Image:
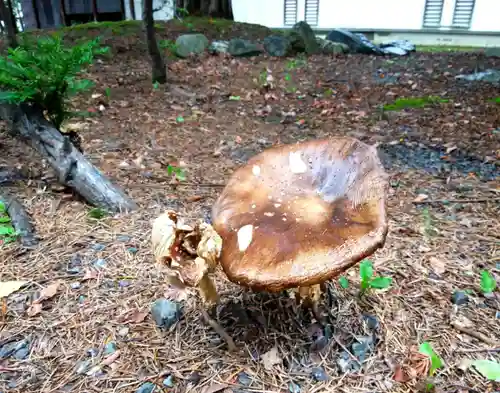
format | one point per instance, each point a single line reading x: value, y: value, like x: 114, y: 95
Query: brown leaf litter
x: 436, y: 245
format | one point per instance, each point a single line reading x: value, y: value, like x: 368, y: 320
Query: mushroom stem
x: 217, y: 327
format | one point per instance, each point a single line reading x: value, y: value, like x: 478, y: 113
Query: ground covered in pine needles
x: 97, y: 276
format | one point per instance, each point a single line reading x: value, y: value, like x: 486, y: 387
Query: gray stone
x: 319, y: 374
x: 123, y: 238
x: 147, y: 387
x: 363, y: 347
x: 371, y: 321
x: 241, y: 48
x: 346, y: 363
x: 218, y: 47
x: 308, y: 37
x: 83, y: 366
x: 188, y: 44
x: 98, y: 247
x: 357, y: 43
x: 492, y: 76
x: 169, y: 382
x: 100, y: 263
x: 244, y: 379
x: 294, y: 387
x: 165, y: 312
x: 330, y: 47
x: 109, y: 348
x: 459, y: 298
x: 276, y: 45
x: 12, y: 348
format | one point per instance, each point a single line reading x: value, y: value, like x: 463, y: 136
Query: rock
x: 346, y: 363
x: 194, y: 377
x: 398, y: 47
x: 319, y: 374
x: 109, y: 348
x: 165, y: 312
x: 169, y: 381
x: 294, y: 387
x: 188, y: 44
x: 276, y: 45
x: 99, y: 263
x: 123, y: 238
x: 244, y: 379
x: 75, y: 285
x: 330, y: 47
x: 98, y: 247
x: 308, y: 37
x: 296, y: 42
x: 123, y: 283
x: 147, y: 387
x: 492, y: 52
x: 240, y: 47
x: 357, y: 43
x: 363, y: 347
x: 22, y: 353
x: 459, y: 298
x: 132, y: 250
x: 217, y: 47
x: 492, y: 76
x: 83, y: 366
x: 371, y: 321
x: 14, y: 347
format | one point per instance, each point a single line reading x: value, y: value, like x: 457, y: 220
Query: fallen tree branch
x: 473, y: 333
x: 20, y: 220
x: 72, y: 168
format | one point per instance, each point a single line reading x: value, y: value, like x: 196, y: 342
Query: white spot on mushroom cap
x: 256, y: 170
x: 297, y: 165
x: 245, y: 234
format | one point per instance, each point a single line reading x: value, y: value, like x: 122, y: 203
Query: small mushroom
x: 297, y: 215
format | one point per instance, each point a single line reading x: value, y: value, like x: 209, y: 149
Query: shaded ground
x: 215, y: 114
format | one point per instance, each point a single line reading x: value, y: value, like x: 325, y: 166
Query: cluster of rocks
x: 299, y: 39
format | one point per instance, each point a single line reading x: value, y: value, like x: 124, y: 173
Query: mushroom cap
x: 300, y: 214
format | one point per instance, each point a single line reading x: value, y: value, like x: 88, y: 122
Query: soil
x: 215, y: 113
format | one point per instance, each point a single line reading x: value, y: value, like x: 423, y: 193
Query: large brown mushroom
x: 294, y: 217
x: 298, y: 215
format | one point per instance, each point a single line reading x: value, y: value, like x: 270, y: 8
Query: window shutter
x: 462, y: 15
x: 290, y: 15
x: 312, y: 12
x: 433, y: 12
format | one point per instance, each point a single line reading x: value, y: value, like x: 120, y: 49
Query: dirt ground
x: 213, y: 115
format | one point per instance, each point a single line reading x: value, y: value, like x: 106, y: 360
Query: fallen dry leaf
x: 421, y: 197
x: 90, y: 274
x: 400, y: 375
x: 48, y: 292
x: 134, y: 316
x: 34, y: 309
x: 177, y: 294
x: 271, y: 358
x: 438, y: 266
x: 8, y: 287
x: 214, y: 388
x: 111, y: 358
x: 194, y: 198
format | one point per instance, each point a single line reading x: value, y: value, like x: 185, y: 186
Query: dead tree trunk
x: 72, y: 168
x: 6, y: 15
x: 159, y: 71
x: 20, y: 220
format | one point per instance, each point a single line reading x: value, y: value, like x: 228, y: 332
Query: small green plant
x: 7, y: 232
x: 181, y: 12
x: 429, y: 229
x: 367, y: 279
x: 328, y: 93
x: 488, y: 283
x: 344, y: 282
x: 436, y: 362
x: 168, y: 45
x: 263, y: 78
x: 413, y: 102
x: 177, y: 172
x: 46, y: 73
x: 97, y: 213
x: 490, y: 369
x: 107, y: 91
x: 496, y: 100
